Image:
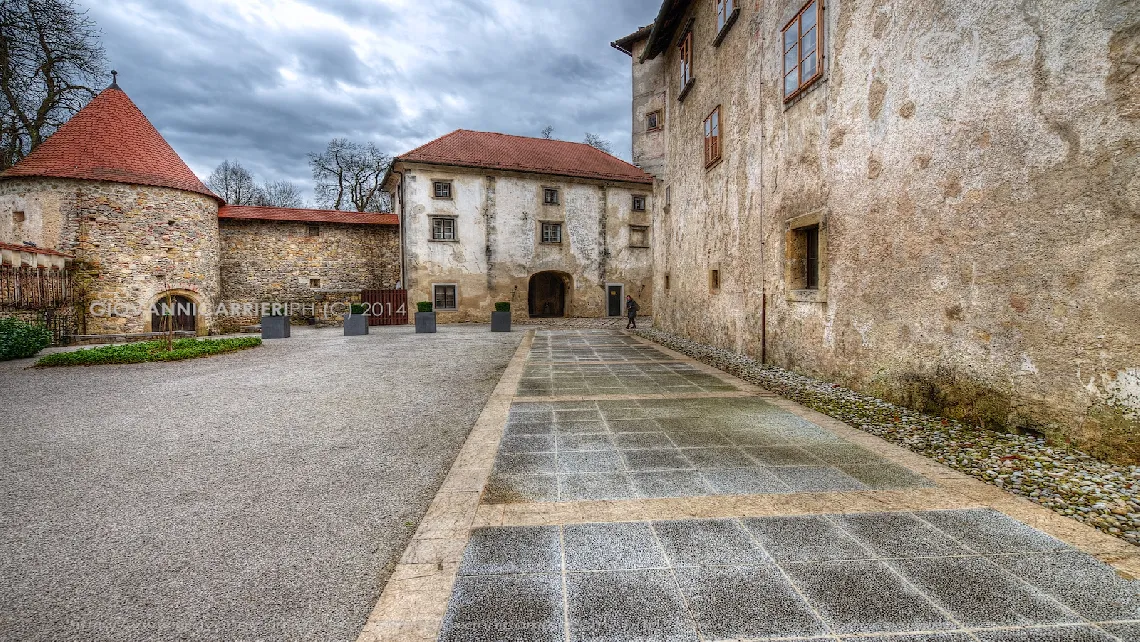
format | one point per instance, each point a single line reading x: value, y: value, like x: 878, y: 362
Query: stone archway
x: 181, y: 307
x: 546, y: 295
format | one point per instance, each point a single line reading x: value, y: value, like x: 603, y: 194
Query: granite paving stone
x: 585, y: 441
x: 988, y: 531
x: 1050, y: 634
x: 744, y: 481
x: 504, y: 489
x: 864, y: 596
x: 526, y: 463
x: 811, y: 479
x: 519, y: 549
x: 586, y: 486
x: 718, y: 457
x: 641, y: 440
x: 662, y: 459
x: 611, y: 547
x: 804, y: 539
x: 670, y: 483
x: 627, y: 606
x: 746, y: 602
x: 505, y: 608
x: 1080, y: 582
x: 597, y: 461
x: 979, y: 594
x: 899, y: 535
x: 708, y: 541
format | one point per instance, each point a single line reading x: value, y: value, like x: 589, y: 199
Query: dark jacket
x: 631, y: 308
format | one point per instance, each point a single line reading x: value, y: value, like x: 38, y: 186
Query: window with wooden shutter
x: 686, y: 59
x: 712, y: 137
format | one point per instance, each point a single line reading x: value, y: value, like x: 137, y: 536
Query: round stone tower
x: 108, y: 189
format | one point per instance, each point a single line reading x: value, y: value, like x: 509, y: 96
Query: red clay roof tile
x: 110, y: 140
x: 33, y: 250
x: 257, y: 213
x: 466, y: 148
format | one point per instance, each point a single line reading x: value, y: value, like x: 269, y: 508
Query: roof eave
x: 661, y: 31
x: 648, y: 180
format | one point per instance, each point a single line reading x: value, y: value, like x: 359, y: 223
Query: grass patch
x: 143, y: 351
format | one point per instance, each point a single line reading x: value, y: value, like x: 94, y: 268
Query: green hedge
x: 423, y: 306
x: 502, y: 306
x: 20, y: 339
x: 148, y: 351
x: 359, y: 308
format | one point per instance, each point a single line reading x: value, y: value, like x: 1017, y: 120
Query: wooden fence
x: 41, y: 295
x: 386, y: 307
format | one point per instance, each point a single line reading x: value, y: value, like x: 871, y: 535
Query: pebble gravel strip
x: 1070, y: 482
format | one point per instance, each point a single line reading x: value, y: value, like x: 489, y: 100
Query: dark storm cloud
x: 264, y: 82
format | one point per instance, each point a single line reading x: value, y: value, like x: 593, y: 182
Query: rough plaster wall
x: 268, y: 261
x: 977, y: 166
x: 130, y: 237
x: 649, y: 96
x: 498, y: 223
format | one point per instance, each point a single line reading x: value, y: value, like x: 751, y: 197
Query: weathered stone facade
x: 304, y: 262
x: 136, y: 242
x: 498, y: 247
x: 971, y: 168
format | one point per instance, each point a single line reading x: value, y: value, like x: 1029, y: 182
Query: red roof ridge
x: 31, y: 249
x: 110, y: 139
x: 494, y: 150
x: 266, y: 213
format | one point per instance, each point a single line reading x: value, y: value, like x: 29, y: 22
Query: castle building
x: 107, y: 193
x: 557, y: 229
x: 936, y: 203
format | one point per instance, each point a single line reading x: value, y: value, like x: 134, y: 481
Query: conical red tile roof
x: 467, y: 148
x: 110, y: 140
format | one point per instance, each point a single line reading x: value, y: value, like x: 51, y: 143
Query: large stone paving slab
x: 780, y: 577
x: 630, y: 448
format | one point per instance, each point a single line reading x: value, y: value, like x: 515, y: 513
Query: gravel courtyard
x: 263, y: 494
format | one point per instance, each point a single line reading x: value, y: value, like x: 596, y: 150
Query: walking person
x: 631, y: 309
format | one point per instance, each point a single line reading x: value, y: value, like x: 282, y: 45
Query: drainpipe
x: 403, y: 259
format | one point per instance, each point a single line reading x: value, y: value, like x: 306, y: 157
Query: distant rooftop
x: 259, y: 213
x: 465, y: 148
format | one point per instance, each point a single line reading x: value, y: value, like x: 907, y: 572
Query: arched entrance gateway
x: 183, y: 310
x: 546, y: 296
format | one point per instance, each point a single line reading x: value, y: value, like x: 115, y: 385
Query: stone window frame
x: 644, y: 229
x: 435, y: 297
x: 436, y: 183
x: 644, y: 202
x: 726, y: 13
x: 547, y: 192
x: 542, y: 225
x: 803, y: 85
x: 795, y: 257
x: 654, y: 121
x: 454, y: 229
x: 312, y: 230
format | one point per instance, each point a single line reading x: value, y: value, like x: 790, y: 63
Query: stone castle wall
x: 973, y: 170
x: 134, y: 241
x: 279, y: 261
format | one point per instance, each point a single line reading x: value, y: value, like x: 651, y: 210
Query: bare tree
x: 50, y: 62
x: 548, y: 132
x: 234, y: 184
x: 348, y: 176
x: 280, y: 194
x: 597, y: 142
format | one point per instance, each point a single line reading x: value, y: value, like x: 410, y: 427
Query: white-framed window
x: 443, y: 229
x: 549, y: 196
x: 444, y: 296
x: 441, y: 189
x: 551, y: 232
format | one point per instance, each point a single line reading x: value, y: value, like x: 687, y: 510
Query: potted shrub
x: 501, y: 317
x: 425, y: 318
x: 356, y: 322
x: 275, y: 325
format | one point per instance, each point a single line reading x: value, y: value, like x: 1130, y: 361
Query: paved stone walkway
x: 615, y: 490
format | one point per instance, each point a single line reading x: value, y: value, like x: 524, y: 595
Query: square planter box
x: 500, y: 322
x: 275, y: 327
x: 355, y: 325
x: 425, y: 322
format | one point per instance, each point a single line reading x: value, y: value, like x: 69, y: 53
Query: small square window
x: 714, y: 280
x: 443, y: 229
x: 549, y: 196
x: 18, y: 217
x: 441, y: 189
x: 653, y: 121
x: 312, y: 230
x: 638, y: 236
x: 551, y: 232
x: 638, y: 203
x: 314, y: 283
x: 444, y: 297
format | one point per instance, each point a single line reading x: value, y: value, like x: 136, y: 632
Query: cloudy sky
x: 264, y: 82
